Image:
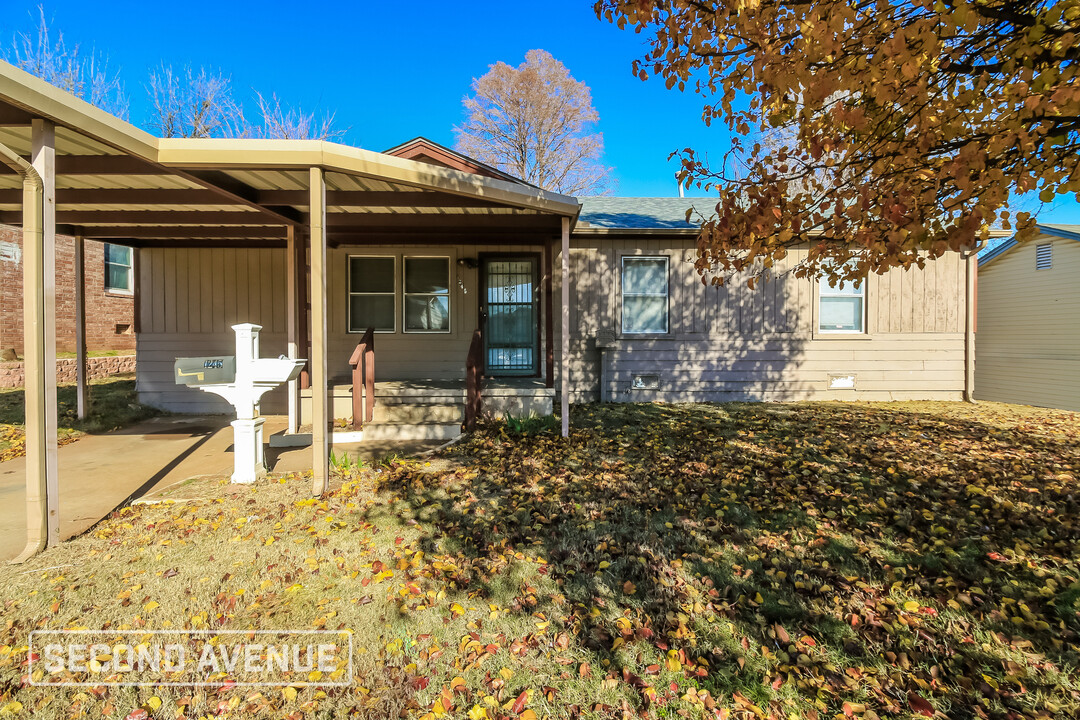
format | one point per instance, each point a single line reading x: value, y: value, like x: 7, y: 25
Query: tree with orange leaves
x: 909, y: 124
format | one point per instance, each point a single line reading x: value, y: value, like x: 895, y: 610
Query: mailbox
x: 205, y: 370
x: 242, y: 379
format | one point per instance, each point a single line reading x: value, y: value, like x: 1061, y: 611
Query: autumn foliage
x: 906, y: 125
x: 749, y: 562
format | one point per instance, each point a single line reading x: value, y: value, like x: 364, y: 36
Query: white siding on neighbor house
x: 724, y: 343
x: 731, y: 343
x: 1028, y: 330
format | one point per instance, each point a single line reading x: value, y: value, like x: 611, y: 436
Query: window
x: 644, y: 294
x: 118, y: 269
x: 841, y: 309
x: 1044, y: 256
x: 371, y: 294
x: 427, y: 294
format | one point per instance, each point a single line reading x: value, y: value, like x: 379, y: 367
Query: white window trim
x: 130, y: 289
x: 449, y: 295
x: 351, y: 292
x: 824, y: 290
x: 666, y: 295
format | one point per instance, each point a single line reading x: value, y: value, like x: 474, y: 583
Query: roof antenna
x: 679, y: 181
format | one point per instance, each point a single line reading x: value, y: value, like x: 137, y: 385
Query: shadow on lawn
x: 819, y: 552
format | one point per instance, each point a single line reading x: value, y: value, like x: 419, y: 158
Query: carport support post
x: 80, y: 328
x: 564, y: 341
x: 320, y: 420
x: 39, y: 341
x: 292, y: 311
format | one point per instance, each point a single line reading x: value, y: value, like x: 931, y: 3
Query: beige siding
x: 724, y: 343
x: 732, y: 343
x: 1028, y: 340
x: 194, y: 296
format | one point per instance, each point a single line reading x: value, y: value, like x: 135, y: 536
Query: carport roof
x: 117, y: 182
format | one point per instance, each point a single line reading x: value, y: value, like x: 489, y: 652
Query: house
x: 1029, y: 320
x: 108, y: 287
x: 452, y: 266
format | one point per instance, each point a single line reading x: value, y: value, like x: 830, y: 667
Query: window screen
x: 427, y: 294
x: 645, y: 295
x: 371, y: 294
x: 118, y: 268
x: 841, y: 308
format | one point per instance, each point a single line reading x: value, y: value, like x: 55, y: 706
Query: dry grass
x: 722, y: 561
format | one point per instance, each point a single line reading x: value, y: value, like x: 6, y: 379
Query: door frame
x: 481, y: 282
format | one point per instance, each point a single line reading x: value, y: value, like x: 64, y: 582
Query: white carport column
x: 292, y: 323
x: 39, y: 337
x: 320, y: 420
x: 564, y: 340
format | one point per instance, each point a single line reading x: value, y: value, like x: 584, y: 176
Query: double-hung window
x: 118, y: 269
x: 644, y: 294
x: 371, y: 294
x: 426, y: 289
x: 841, y: 308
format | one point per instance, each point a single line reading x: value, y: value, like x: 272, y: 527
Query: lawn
x: 113, y: 404
x: 737, y: 561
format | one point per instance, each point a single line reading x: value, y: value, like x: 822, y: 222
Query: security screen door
x: 511, y: 312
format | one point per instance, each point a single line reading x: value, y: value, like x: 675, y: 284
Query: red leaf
x: 920, y: 706
x: 137, y: 714
x: 519, y: 704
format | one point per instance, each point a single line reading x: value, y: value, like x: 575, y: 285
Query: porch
x: 421, y: 409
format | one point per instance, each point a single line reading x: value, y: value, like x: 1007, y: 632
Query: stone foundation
x: 11, y: 373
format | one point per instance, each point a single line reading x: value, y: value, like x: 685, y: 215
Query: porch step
x: 383, y: 432
x: 401, y: 412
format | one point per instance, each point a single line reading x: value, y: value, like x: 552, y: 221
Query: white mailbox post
x: 254, y: 376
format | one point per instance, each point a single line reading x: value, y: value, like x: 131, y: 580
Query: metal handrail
x: 474, y: 371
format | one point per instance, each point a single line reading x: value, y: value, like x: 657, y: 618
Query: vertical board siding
x: 1027, y: 347
x: 731, y: 343
x: 726, y: 342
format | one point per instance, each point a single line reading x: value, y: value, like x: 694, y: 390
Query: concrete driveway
x: 99, y: 473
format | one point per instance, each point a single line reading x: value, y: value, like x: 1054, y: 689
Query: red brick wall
x: 107, y: 314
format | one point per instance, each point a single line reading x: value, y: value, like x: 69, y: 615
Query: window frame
x: 130, y: 289
x: 350, y: 292
x: 666, y: 295
x: 825, y: 290
x: 449, y: 295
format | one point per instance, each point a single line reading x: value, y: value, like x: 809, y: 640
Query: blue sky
x: 391, y: 72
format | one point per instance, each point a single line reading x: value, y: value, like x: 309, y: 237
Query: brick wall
x: 109, y: 317
x: 12, y: 374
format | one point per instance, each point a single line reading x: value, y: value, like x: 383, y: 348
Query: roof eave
x: 254, y: 154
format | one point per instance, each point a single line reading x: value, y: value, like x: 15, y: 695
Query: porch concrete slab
x: 99, y: 473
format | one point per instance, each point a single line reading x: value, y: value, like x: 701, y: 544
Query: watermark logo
x: 196, y: 658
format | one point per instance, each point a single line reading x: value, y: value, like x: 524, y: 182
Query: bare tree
x: 85, y: 75
x: 194, y: 104
x: 537, y: 122
x: 287, y: 123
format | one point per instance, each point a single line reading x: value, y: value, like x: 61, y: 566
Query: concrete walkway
x: 98, y: 473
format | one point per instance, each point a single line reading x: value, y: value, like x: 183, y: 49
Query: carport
x: 77, y: 170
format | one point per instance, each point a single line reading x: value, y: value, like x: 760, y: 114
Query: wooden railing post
x: 474, y: 364
x: 363, y: 380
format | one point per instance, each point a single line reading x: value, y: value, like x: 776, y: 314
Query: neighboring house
x: 109, y: 287
x: 1029, y: 320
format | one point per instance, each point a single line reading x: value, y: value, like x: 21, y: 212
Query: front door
x: 510, y: 312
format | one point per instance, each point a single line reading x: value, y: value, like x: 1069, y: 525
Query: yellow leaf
x: 289, y: 693
x: 154, y: 703
x: 604, y: 565
x: 477, y: 713
x: 152, y: 605
x: 527, y: 714
x: 912, y: 606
